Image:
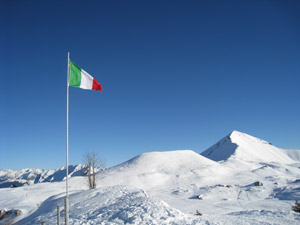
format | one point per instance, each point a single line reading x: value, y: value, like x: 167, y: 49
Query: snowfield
x: 111, y: 205
x: 172, y: 187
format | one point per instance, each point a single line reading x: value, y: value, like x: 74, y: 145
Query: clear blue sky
x: 175, y: 75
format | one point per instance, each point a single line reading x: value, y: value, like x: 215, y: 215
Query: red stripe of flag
x: 96, y: 85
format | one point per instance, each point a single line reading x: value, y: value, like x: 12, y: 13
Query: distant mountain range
x: 11, y: 178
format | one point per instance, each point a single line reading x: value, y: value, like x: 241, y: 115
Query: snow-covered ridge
x: 243, y: 147
x: 176, y: 159
x: 11, y: 178
x: 237, y: 136
x: 154, y: 169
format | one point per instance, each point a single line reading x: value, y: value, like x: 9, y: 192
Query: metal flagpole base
x: 66, y: 211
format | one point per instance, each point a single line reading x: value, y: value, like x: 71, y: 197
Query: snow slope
x: 170, y: 187
x: 111, y: 205
x: 294, y: 154
x: 156, y: 169
x: 243, y: 147
x: 28, y: 198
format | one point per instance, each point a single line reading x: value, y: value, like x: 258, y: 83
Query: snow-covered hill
x: 243, y: 147
x: 11, y: 178
x: 156, y: 169
x: 170, y: 187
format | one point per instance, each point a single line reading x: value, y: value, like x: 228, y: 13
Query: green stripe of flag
x: 75, y: 75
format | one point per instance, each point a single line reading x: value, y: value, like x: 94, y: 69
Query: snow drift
x: 111, y: 205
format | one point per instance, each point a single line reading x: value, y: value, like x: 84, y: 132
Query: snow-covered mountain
x: 242, y: 180
x: 11, y: 178
x: 243, y: 147
x: 155, y: 169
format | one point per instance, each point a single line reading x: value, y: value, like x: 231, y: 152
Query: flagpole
x: 67, y: 148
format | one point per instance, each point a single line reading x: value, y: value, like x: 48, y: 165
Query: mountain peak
x: 239, y: 138
x: 236, y: 134
x: 245, y: 147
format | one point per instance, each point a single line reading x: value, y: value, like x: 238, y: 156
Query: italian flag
x: 81, y: 79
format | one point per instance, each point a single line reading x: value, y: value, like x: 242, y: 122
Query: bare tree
x: 93, y: 163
